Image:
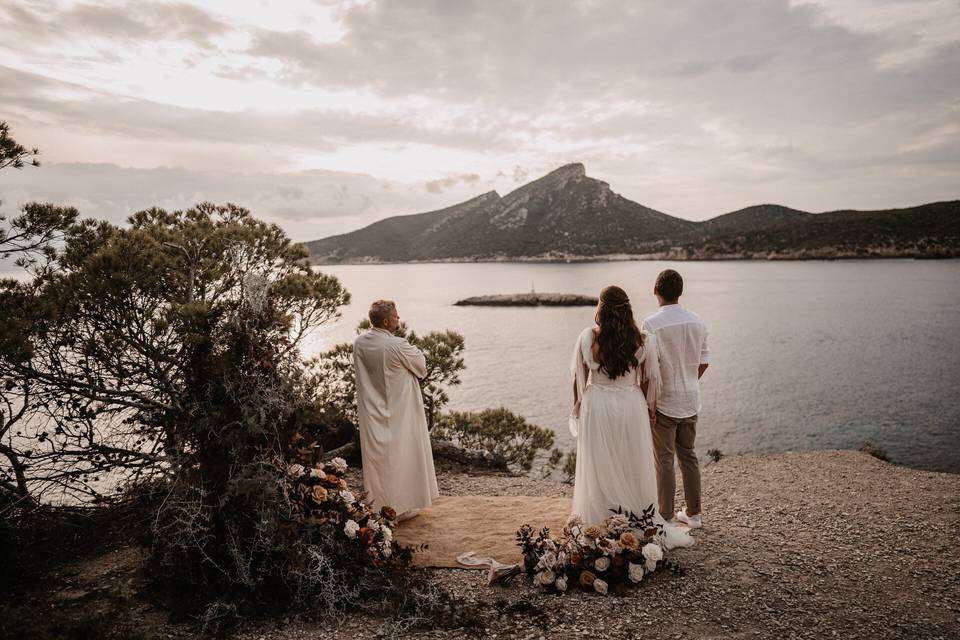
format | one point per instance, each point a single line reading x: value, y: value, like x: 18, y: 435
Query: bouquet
x: 604, y: 557
x: 321, y: 498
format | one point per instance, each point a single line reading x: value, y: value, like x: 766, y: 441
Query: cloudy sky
x: 324, y: 116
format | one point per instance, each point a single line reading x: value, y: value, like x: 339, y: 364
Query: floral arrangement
x: 321, y: 497
x: 604, y: 557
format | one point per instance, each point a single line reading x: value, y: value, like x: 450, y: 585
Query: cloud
x: 691, y: 107
x: 442, y: 184
x: 131, y: 21
x: 307, y: 204
x: 75, y: 106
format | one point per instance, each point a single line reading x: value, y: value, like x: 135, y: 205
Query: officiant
x: 394, y: 441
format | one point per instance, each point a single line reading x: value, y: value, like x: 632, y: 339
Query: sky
x: 324, y: 116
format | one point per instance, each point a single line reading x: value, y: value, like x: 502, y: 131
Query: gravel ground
x: 817, y: 544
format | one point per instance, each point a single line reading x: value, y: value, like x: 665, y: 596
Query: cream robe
x: 394, y: 441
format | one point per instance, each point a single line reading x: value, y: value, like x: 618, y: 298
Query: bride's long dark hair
x: 619, y: 337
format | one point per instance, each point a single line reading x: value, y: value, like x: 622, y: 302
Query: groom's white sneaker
x: 694, y: 522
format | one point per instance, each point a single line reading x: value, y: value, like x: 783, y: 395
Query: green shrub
x: 501, y: 434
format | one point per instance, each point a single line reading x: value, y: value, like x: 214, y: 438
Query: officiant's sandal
x: 694, y: 522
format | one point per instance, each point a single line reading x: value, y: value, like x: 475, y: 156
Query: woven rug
x: 486, y: 525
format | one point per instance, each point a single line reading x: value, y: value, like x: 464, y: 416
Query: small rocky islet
x: 531, y: 299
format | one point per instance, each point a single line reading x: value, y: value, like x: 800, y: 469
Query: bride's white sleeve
x: 651, y: 368
x: 578, y: 368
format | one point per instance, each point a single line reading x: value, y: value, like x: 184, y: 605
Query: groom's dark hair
x: 669, y: 285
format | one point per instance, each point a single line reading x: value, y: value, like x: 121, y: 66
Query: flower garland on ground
x: 604, y: 557
x: 320, y: 497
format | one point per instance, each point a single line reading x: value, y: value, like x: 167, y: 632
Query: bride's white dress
x: 615, y: 466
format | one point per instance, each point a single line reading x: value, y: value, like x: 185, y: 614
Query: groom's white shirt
x: 682, y: 338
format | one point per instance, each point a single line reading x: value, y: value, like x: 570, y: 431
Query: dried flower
x: 295, y: 470
x: 387, y: 533
x: 319, y: 494
x: 545, y: 578
x: 602, y: 563
x: 629, y: 541
x: 600, y: 586
x: 593, y: 532
x: 587, y: 579
x: 339, y: 464
x: 389, y: 513
x: 618, y: 521
x: 366, y: 535
x: 548, y: 560
x: 635, y: 572
x: 347, y: 497
x: 574, y: 520
x: 351, y: 529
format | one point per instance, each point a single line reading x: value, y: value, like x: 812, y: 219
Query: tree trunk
x: 18, y: 470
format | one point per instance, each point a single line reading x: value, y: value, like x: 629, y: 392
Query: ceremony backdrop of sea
x: 804, y: 355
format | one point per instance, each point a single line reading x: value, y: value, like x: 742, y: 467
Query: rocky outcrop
x: 529, y: 300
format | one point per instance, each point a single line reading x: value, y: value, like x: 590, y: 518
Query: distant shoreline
x: 630, y: 258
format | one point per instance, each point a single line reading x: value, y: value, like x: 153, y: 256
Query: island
x: 529, y: 300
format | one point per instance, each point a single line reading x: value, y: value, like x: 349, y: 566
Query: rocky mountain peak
x: 554, y: 181
x: 574, y: 170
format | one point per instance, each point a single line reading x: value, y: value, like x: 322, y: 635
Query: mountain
x: 566, y: 215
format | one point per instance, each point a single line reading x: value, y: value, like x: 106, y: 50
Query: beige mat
x: 486, y: 525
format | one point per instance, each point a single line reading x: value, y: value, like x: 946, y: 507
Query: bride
x: 617, y: 378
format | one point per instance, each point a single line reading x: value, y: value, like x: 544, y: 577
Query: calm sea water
x: 805, y: 355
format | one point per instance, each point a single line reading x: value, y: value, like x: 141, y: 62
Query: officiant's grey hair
x: 380, y: 311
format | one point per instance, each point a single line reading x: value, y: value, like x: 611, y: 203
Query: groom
x: 682, y: 339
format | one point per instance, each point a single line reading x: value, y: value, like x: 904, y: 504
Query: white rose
x: 602, y: 563
x: 339, y: 464
x: 387, y: 534
x: 317, y: 473
x: 295, y: 470
x: 618, y: 521
x: 600, y: 586
x: 548, y: 560
x: 351, y: 529
x: 347, y: 497
x: 635, y: 572
x: 652, y: 553
x: 546, y: 577
x: 562, y: 583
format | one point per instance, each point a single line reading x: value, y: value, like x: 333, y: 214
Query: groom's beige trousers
x: 675, y: 437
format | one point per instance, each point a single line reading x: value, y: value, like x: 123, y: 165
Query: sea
x: 804, y: 354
